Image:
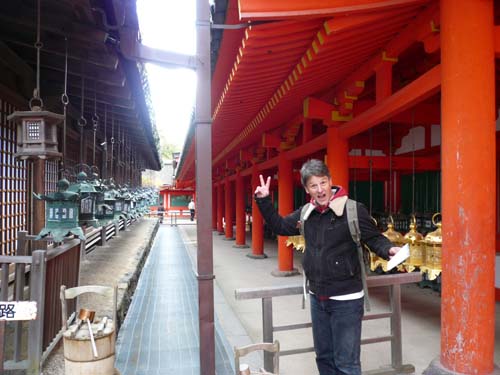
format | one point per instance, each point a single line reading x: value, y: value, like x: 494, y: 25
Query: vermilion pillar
x: 285, y: 207
x: 468, y: 181
x: 228, y: 216
x: 220, y: 214
x: 383, y: 78
x: 214, y: 207
x: 240, y: 212
x: 337, y: 151
x: 257, y: 222
x: 306, y: 130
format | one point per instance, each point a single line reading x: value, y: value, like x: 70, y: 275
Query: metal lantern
x: 88, y: 197
x: 61, y: 213
x: 433, y: 244
x: 36, y: 133
x: 104, y: 202
x: 417, y: 248
x: 392, y: 235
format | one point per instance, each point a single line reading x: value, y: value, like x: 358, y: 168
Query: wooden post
x: 257, y: 222
x: 337, y: 151
x: 228, y: 204
x: 214, y: 207
x: 37, y: 291
x: 285, y: 206
x: 220, y: 210
x: 240, y: 212
x: 469, y: 188
x: 383, y: 79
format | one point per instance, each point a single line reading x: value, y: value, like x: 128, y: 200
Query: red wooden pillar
x: 257, y: 222
x: 468, y: 181
x: 285, y: 207
x: 337, y: 151
x: 214, y: 207
x: 306, y: 130
x: 228, y: 216
x: 383, y: 80
x: 220, y: 206
x: 240, y: 212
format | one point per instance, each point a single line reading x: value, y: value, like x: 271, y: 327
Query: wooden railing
x: 45, y: 270
x: 394, y: 283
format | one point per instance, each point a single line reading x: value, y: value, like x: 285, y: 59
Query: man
x: 330, y: 264
x: 191, y: 209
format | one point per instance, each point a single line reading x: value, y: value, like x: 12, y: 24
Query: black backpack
x: 352, y: 220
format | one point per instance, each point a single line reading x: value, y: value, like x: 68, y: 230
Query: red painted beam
x: 422, y: 88
x: 290, y: 9
x: 419, y: 29
x: 398, y: 163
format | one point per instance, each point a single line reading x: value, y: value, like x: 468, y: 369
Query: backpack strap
x: 304, y: 214
x: 352, y: 220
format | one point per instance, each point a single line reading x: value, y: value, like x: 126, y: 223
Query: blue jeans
x: 337, y: 335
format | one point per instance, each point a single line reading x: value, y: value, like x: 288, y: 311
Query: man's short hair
x: 313, y: 167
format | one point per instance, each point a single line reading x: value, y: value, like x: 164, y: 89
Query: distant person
x: 191, y: 208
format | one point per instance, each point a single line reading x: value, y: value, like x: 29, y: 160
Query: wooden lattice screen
x: 13, y: 184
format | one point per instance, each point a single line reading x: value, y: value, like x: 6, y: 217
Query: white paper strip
x: 400, y: 257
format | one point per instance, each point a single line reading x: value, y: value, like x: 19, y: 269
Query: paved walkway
x: 160, y: 334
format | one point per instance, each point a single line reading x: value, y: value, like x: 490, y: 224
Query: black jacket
x: 330, y: 261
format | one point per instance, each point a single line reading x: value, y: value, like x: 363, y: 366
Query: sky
x: 170, y: 25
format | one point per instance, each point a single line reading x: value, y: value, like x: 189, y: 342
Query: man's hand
x: 393, y: 251
x: 263, y: 190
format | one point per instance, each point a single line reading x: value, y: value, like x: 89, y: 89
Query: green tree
x: 167, y: 149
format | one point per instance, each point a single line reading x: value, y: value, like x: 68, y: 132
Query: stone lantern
x: 36, y: 133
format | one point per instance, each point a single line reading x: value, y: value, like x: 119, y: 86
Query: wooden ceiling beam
x: 55, y: 81
x: 61, y: 26
x: 77, y: 51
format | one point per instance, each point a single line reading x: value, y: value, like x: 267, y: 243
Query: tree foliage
x: 167, y: 149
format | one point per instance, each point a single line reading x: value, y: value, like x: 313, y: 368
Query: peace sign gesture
x: 263, y: 190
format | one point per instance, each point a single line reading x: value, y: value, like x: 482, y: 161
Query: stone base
x: 241, y: 246
x: 279, y: 273
x: 229, y: 239
x: 221, y: 233
x: 436, y: 368
x: 257, y: 256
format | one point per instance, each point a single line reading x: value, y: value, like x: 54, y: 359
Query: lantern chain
x: 82, y: 121
x: 38, y: 45
x: 95, y: 122
x: 112, y: 141
x: 413, y: 161
x: 370, y: 166
x: 65, y: 101
x: 390, y: 169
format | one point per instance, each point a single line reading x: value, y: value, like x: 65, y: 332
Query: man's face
x: 320, y: 189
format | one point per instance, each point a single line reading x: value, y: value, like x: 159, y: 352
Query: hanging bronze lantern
x: 392, y: 235
x: 36, y: 133
x: 433, y: 244
x: 417, y: 248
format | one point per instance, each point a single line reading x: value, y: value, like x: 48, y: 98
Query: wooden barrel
x: 78, y: 355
